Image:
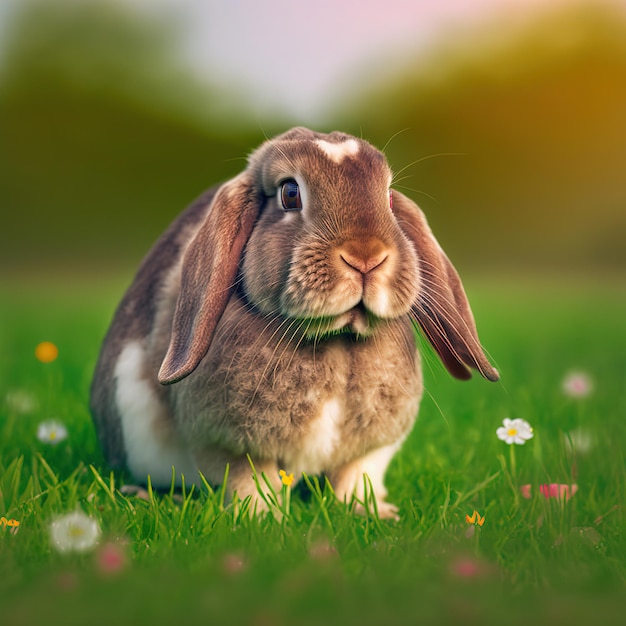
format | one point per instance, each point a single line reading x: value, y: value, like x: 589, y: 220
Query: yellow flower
x: 46, y: 352
x: 286, y: 479
x: 475, y: 519
x: 9, y: 522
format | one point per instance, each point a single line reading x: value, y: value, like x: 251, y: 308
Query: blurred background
x: 504, y: 119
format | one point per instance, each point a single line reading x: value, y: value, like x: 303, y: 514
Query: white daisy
x: 51, y: 432
x: 74, y: 532
x: 515, y: 431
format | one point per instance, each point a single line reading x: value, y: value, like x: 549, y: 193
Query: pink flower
x: 577, y: 385
x: 466, y: 568
x: 111, y: 559
x: 555, y: 490
x: 525, y: 489
x: 233, y: 563
x: 323, y: 551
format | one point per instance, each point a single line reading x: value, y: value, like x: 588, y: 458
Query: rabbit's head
x: 316, y: 236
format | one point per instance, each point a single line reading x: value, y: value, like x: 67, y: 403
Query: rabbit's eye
x: 290, y: 196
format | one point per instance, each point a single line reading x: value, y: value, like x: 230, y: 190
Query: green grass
x: 191, y: 558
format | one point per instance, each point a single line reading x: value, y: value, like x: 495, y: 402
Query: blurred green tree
x: 102, y: 135
x: 520, y: 142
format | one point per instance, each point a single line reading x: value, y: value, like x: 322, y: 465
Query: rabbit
x: 275, y: 321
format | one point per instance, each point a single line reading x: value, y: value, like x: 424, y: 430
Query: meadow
x: 188, y: 556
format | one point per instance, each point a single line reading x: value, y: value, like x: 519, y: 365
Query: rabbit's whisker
x: 426, y: 158
x: 277, y: 344
x: 302, y: 337
x: 396, y: 134
x: 436, y: 316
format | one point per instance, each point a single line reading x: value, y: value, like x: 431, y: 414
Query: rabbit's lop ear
x: 441, y: 308
x: 209, y: 271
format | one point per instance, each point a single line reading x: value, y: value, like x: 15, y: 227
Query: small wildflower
x: 578, y: 441
x: 322, y: 551
x: 13, y: 524
x: 465, y: 567
x: 287, y: 479
x: 233, y: 563
x: 74, y: 532
x: 111, y: 559
x: 471, y: 531
x: 46, y: 352
x: 469, y: 567
x: 20, y: 401
x: 577, y: 385
x: 555, y: 490
x: 525, y: 490
x: 475, y: 519
x: 51, y: 432
x: 515, y: 431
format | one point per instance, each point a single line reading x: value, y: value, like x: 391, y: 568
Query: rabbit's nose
x: 364, y: 256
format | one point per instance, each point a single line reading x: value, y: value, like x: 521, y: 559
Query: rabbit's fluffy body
x: 282, y: 332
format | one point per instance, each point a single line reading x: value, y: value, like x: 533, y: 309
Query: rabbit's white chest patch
x: 320, y: 441
x: 150, y: 449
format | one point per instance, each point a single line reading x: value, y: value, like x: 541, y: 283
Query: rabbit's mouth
x: 358, y: 321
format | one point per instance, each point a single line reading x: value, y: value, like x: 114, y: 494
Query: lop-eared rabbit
x: 276, y: 318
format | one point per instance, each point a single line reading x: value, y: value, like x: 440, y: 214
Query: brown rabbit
x: 275, y: 318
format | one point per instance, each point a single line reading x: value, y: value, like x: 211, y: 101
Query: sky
x: 299, y: 56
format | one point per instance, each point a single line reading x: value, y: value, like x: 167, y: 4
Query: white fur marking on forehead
x: 338, y: 151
